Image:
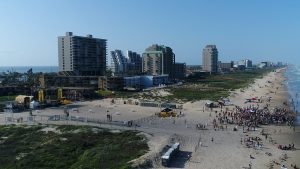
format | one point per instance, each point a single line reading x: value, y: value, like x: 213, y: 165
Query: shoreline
x: 280, y: 134
x: 227, y: 143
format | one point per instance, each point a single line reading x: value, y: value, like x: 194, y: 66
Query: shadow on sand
x: 180, y: 159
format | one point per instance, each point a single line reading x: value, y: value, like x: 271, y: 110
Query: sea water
x: 24, y: 69
x: 293, y: 84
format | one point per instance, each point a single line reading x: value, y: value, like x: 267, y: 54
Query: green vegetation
x: 72, y: 147
x: 104, y: 93
x: 204, y: 88
x: 126, y: 94
x: 7, y: 98
x: 216, y: 86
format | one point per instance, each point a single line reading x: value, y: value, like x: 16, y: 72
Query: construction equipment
x: 167, y: 112
x: 61, y: 99
x: 41, y: 96
x: 64, y: 101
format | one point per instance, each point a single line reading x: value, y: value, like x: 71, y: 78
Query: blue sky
x: 256, y: 29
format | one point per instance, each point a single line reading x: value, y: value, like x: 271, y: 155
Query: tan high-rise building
x: 83, y: 56
x: 159, y: 60
x: 210, y: 59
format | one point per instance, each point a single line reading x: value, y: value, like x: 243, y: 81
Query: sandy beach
x: 207, y: 148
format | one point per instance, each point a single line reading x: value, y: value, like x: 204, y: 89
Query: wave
x: 293, y: 84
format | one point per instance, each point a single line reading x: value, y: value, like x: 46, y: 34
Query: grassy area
x: 72, y: 147
x: 216, y: 86
x: 104, y: 93
x: 7, y: 98
x: 125, y: 94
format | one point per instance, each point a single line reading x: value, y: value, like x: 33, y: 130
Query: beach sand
x: 198, y: 151
x: 227, y: 151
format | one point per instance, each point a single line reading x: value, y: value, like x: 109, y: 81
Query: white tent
x: 34, y: 104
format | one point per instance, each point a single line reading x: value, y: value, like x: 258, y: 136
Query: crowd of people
x: 253, y: 116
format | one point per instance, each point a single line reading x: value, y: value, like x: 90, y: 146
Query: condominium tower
x: 131, y: 64
x: 118, y: 62
x: 82, y: 56
x: 158, y: 60
x: 210, y: 59
x: 135, y: 63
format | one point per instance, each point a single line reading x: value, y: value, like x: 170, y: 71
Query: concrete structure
x: 264, y: 64
x: 193, y: 68
x: 51, y: 81
x: 179, y: 70
x: 225, y: 67
x: 115, y: 83
x: 210, y: 59
x: 158, y: 60
x: 243, y: 64
x: 248, y: 63
x: 83, y: 56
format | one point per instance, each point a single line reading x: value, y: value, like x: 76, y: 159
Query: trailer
x: 170, y: 154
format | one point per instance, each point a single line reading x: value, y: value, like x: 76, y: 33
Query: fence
x: 162, y: 105
x: 64, y: 118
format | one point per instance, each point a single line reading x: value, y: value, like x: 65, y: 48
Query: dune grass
x: 68, y: 147
x: 7, y: 98
x: 216, y: 86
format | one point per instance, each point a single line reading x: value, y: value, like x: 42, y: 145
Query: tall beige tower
x: 210, y: 59
x: 83, y: 56
x: 159, y: 60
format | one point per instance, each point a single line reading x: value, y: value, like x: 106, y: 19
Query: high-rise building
x: 135, y: 63
x: 118, y: 62
x: 248, y: 63
x: 82, y: 56
x: 210, y: 59
x: 158, y: 60
x: 179, y: 70
x: 225, y: 67
x: 121, y: 65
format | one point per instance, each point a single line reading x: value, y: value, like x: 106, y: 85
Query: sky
x: 258, y: 29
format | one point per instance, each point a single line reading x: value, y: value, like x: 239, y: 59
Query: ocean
x: 293, y: 84
x: 23, y: 69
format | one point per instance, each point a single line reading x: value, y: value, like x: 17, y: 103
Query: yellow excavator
x: 61, y: 99
x: 167, y: 112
